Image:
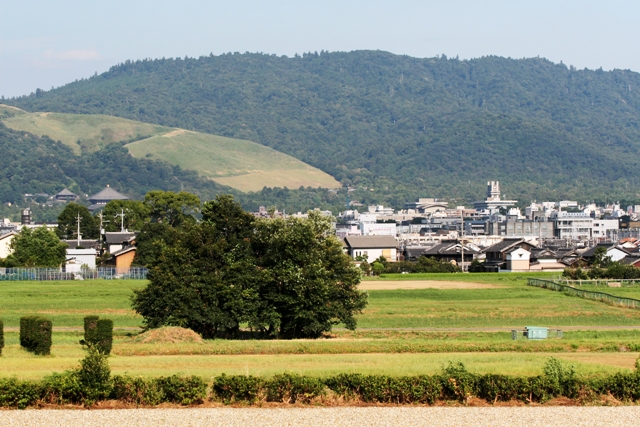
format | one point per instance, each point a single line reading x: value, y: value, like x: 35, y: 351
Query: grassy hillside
x: 394, y: 126
x: 236, y: 163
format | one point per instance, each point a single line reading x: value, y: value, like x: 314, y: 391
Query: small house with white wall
x: 518, y: 259
x: 76, y: 258
x: 5, y: 244
x: 371, y: 247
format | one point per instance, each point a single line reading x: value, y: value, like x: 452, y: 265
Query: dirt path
x: 573, y: 416
x: 386, y: 285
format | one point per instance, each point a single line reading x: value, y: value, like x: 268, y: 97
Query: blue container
x: 536, y: 333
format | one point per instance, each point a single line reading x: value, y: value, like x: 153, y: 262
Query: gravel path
x: 341, y: 416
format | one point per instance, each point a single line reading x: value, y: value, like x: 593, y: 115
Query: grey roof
x: 589, y: 253
x: 118, y: 237
x: 450, y: 248
x: 108, y: 194
x: 89, y: 243
x: 123, y: 251
x: 630, y: 259
x: 365, y: 242
x: 66, y: 192
x: 506, y: 244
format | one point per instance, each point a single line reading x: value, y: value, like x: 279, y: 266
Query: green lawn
x: 67, y: 302
x: 512, y: 304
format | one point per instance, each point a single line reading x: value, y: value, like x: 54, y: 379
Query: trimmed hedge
x: 453, y: 383
x: 99, y: 333
x: 35, y: 334
x: 1, y: 336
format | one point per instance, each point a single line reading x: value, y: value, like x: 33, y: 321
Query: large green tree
x: 286, y: 278
x: 136, y: 214
x: 171, y: 207
x: 37, y: 247
x: 68, y: 223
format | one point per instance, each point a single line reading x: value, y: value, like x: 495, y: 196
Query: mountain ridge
x: 400, y: 126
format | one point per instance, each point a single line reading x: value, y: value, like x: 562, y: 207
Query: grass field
x: 241, y: 164
x: 17, y: 362
x: 376, y: 347
x: 509, y: 304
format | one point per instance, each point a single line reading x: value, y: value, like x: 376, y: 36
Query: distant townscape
x: 492, y: 236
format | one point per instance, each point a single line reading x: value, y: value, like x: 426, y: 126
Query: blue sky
x: 45, y: 44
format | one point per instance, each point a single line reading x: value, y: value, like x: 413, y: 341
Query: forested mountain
x: 394, y: 126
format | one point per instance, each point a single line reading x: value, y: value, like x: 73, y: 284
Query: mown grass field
x: 401, y: 332
x: 511, y: 304
x: 66, y: 354
x: 241, y: 164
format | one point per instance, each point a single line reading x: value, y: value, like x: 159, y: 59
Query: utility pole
x: 79, y: 237
x: 102, y: 221
x: 462, y: 238
x: 121, y: 215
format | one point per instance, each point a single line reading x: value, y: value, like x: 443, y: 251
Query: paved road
x: 338, y: 416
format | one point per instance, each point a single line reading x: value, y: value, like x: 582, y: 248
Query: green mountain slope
x: 240, y: 164
x: 396, y: 127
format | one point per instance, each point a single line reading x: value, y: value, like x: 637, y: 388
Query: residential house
x: 613, y: 251
x: 5, y: 244
x: 451, y: 251
x: 496, y: 255
x: 116, y: 241
x: 371, y: 247
x: 122, y: 259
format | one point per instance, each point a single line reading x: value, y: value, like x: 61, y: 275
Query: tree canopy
x: 286, y: 278
x: 37, y: 247
x: 68, y: 222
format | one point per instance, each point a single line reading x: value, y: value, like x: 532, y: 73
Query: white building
x: 378, y: 229
x: 603, y: 227
x: 5, y: 244
x: 76, y: 258
x: 371, y: 247
x: 572, y: 225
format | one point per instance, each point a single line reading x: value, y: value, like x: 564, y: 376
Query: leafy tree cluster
x: 279, y: 277
x: 36, y: 247
x: 392, y: 126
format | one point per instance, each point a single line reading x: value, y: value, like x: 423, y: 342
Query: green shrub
x: 502, y: 388
x: 87, y: 385
x: 292, y: 388
x: 379, y: 388
x: 137, y: 391
x: 35, y: 334
x: 237, y: 388
x: 18, y: 394
x: 90, y: 328
x: 183, y: 390
x: 457, y: 383
x: 99, y: 333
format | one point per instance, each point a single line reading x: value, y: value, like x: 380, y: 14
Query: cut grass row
x: 66, y: 344
x: 16, y: 362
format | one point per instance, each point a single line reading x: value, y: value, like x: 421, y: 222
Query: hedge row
x: 99, y: 333
x: 453, y: 383
x: 35, y: 334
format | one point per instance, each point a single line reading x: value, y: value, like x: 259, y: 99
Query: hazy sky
x: 45, y: 43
